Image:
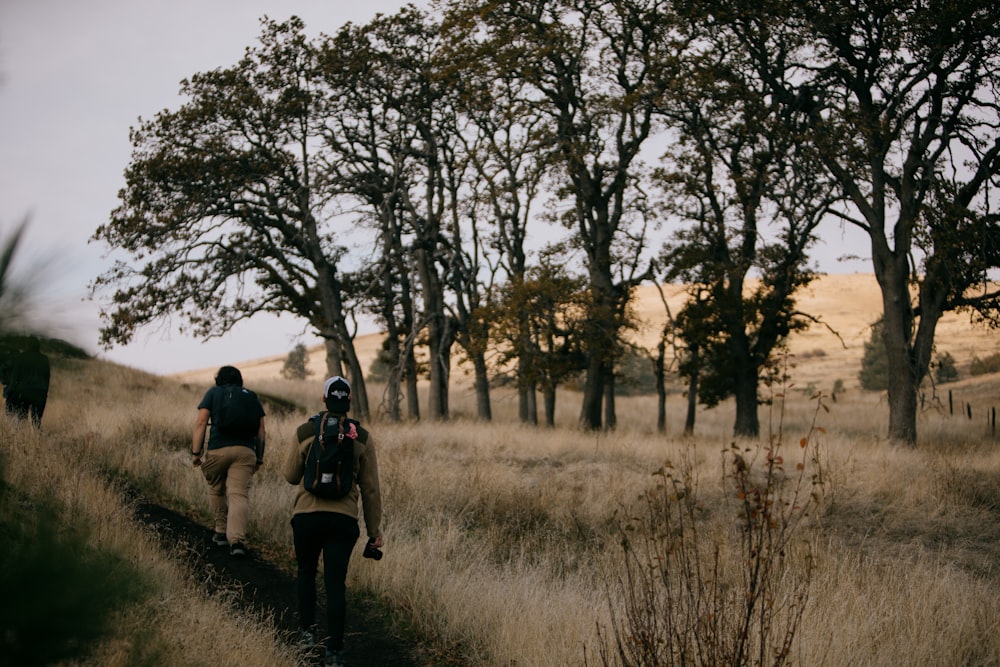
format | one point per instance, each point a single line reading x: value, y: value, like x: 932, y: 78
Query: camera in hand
x: 371, y: 551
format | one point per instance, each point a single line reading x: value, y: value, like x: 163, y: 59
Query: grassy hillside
x: 82, y: 580
x: 847, y: 304
x: 505, y: 543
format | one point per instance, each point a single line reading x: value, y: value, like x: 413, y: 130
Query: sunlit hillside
x: 845, y: 306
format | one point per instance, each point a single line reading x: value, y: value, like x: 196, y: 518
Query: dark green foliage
x: 541, y: 319
x: 382, y: 365
x: 990, y: 364
x: 945, y: 368
x: 295, y: 364
x: 279, y: 405
x: 61, y: 348
x: 874, y: 375
x: 57, y: 594
x: 634, y: 372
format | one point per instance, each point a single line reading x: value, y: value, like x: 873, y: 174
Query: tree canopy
x: 440, y: 171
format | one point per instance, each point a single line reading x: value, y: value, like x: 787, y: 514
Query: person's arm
x: 371, y: 495
x: 261, y: 443
x: 198, y: 438
x: 294, y: 465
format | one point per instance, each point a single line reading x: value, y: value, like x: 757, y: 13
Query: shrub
x: 945, y: 369
x: 702, y: 594
x: 295, y: 364
x: 874, y: 375
x: 634, y: 373
x: 990, y: 364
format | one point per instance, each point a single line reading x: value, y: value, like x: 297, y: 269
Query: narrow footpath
x: 258, y: 584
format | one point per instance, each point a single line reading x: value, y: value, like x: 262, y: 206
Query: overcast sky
x: 75, y: 75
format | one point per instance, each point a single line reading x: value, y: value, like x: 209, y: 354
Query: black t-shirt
x: 29, y: 377
x: 216, y: 439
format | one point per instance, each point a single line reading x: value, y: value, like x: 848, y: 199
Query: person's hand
x: 378, y: 542
x: 196, y: 459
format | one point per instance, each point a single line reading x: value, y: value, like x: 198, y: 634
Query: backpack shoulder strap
x: 320, y: 427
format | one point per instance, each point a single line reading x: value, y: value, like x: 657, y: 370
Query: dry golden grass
x: 501, y: 537
x: 178, y: 624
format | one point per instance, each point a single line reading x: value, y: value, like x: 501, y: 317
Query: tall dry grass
x: 502, y: 540
x: 69, y: 466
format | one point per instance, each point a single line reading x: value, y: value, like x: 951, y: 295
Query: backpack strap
x: 320, y: 431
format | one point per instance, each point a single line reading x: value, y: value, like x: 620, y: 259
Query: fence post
x: 951, y: 403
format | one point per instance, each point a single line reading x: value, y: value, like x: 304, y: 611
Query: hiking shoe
x: 333, y: 658
x: 237, y: 550
x: 307, y: 639
x: 220, y: 539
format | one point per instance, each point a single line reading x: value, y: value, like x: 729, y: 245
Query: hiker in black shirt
x: 230, y: 455
x: 26, y: 381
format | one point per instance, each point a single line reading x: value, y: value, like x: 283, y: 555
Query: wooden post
x: 968, y: 409
x: 951, y: 403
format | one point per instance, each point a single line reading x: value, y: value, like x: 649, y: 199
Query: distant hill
x: 847, y: 304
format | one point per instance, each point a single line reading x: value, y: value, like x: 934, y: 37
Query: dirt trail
x: 256, y: 583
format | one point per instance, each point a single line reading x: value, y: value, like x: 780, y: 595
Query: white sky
x: 74, y: 77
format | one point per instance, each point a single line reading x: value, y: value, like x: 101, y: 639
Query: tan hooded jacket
x: 366, y: 486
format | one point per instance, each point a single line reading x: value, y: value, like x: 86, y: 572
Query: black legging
x: 335, y: 535
x: 23, y: 408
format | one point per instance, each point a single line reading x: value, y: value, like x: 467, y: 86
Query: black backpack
x: 329, y: 465
x: 238, y: 412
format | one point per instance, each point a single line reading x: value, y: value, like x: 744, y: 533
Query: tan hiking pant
x: 228, y: 471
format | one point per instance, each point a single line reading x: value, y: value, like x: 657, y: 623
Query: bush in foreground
x: 698, y: 588
x: 58, y: 593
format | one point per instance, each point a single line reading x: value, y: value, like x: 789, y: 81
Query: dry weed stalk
x: 699, y: 589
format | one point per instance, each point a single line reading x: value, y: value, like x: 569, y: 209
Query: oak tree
x: 900, y: 100
x: 225, y: 211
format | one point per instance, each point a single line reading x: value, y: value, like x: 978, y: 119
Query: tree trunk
x: 392, y: 359
x: 610, y: 417
x: 659, y: 363
x: 692, y: 399
x: 392, y: 397
x: 334, y: 355
x: 438, y: 340
x: 908, y: 350
x: 439, y: 362
x: 483, y: 409
x: 747, y: 424
x: 602, y: 339
x: 410, y: 373
x: 745, y: 383
x: 527, y: 407
x: 593, y: 394
x: 359, y: 388
x: 549, y: 396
